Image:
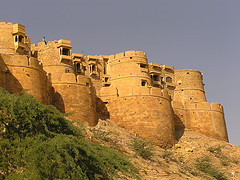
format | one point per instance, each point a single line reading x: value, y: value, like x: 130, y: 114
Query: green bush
x: 142, y: 148
x: 204, y: 165
x: 217, y: 151
x: 37, y: 142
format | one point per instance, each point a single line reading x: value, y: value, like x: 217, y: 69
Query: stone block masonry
x: 151, y: 100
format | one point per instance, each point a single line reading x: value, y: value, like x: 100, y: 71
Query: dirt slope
x: 195, y: 156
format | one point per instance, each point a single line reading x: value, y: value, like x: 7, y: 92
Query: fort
x: 153, y: 101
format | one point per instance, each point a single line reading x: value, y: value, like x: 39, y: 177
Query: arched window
x: 169, y: 79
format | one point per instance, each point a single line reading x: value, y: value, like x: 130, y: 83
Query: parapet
x: 198, y: 106
x: 187, y: 71
x: 8, y: 23
x: 125, y: 54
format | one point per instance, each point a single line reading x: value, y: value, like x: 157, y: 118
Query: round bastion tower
x: 133, y: 103
x: 189, y: 86
x: 191, y: 108
x: 19, y: 70
x: 70, y: 93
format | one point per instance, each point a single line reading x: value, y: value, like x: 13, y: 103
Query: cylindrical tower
x: 189, y: 86
x: 136, y: 105
x: 129, y: 71
x: 18, y: 70
x: 70, y: 93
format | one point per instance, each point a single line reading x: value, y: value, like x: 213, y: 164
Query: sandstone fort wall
x: 71, y: 93
x: 150, y: 100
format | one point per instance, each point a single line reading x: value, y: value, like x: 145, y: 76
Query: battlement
x: 187, y: 71
x: 198, y: 106
x: 8, y: 23
x: 127, y: 54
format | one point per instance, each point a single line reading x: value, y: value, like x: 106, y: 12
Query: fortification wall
x: 189, y: 86
x: 6, y: 38
x: 23, y: 73
x: 201, y: 117
x: 133, y: 103
x: 77, y: 98
x: 70, y: 93
x: 148, y: 116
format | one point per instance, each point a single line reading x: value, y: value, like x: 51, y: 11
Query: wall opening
x: 143, y: 83
x: 169, y: 79
x: 143, y: 65
x: 65, y: 52
x: 20, y: 38
x: 67, y: 70
x: 78, y: 67
x: 16, y: 38
x: 155, y: 77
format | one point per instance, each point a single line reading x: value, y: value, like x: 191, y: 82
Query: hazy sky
x: 189, y: 34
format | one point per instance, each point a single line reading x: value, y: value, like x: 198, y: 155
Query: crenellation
x: 148, y: 99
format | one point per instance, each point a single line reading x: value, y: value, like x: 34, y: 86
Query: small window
x: 77, y: 66
x: 93, y: 67
x: 169, y: 79
x: 155, y: 77
x: 16, y: 38
x: 67, y: 71
x: 130, y: 57
x: 65, y: 52
x: 144, y: 83
x: 188, y: 73
x: 143, y: 65
x: 106, y: 79
x: 20, y: 38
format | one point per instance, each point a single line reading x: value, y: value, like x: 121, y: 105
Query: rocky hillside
x: 195, y: 156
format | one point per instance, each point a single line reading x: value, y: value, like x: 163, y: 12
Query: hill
x: 38, y: 142
x: 195, y: 156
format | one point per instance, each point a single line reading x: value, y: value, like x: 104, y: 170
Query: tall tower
x: 192, y: 111
x: 19, y: 70
x: 71, y: 93
x: 134, y: 103
x: 189, y: 86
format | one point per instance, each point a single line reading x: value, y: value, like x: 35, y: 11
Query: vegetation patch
x: 142, y: 148
x: 217, y: 151
x: 204, y: 165
x: 37, y: 142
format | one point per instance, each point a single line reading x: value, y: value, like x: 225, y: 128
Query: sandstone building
x: 151, y: 100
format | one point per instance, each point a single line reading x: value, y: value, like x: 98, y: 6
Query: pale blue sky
x: 189, y: 34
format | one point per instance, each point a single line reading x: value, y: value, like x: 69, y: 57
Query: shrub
x: 217, y: 151
x: 37, y: 142
x: 142, y: 148
x: 204, y: 165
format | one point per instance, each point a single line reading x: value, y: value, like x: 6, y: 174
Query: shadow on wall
x: 102, y: 110
x: 179, y: 127
x: 7, y: 80
x: 57, y: 100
